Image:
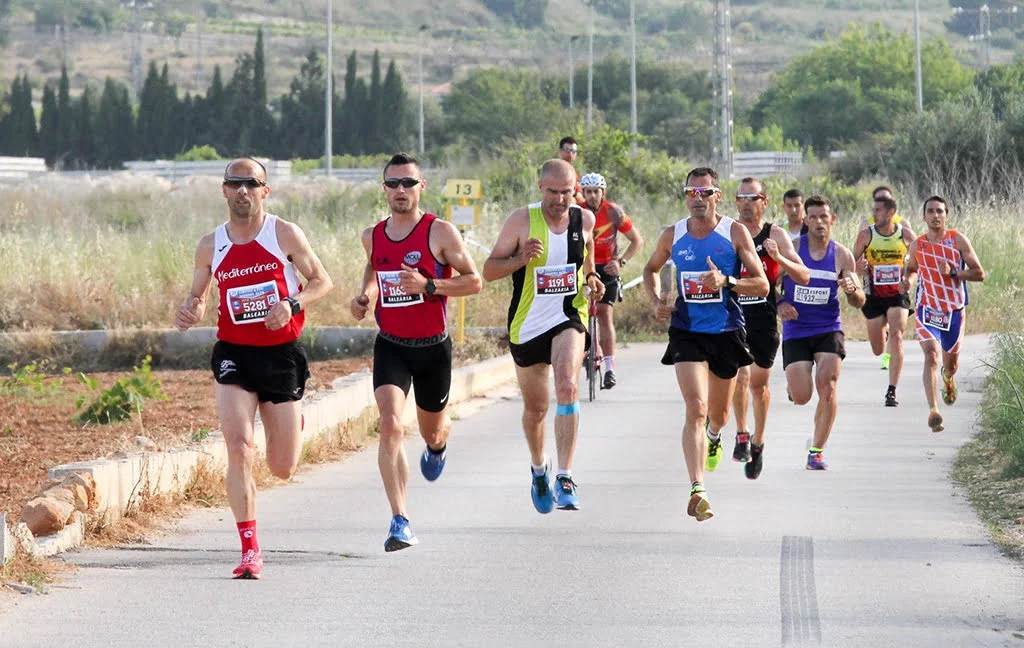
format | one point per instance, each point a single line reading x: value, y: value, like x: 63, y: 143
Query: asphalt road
x: 881, y: 550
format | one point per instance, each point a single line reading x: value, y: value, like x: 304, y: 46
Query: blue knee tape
x: 567, y: 410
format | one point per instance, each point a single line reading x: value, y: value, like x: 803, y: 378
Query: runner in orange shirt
x: 611, y: 221
x: 945, y: 260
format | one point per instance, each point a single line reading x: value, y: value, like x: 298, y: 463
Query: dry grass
x: 24, y: 571
x: 980, y: 469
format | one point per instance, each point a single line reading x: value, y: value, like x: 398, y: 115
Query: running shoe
x: 948, y: 389
x: 699, y: 507
x: 741, y: 452
x: 935, y: 422
x: 250, y: 567
x: 609, y: 380
x: 565, y: 493
x: 885, y: 361
x: 714, y: 449
x: 890, y: 397
x: 543, y: 498
x: 753, y: 467
x: 816, y: 462
x: 432, y: 463
x: 400, y: 536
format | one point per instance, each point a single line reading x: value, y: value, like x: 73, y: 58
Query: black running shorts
x: 803, y: 349
x: 879, y: 306
x: 763, y: 340
x: 725, y: 352
x: 427, y: 368
x: 538, y: 349
x: 277, y: 374
x: 612, y: 286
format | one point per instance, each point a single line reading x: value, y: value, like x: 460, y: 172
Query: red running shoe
x: 250, y: 567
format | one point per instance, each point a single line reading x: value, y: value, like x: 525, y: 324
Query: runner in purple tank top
x: 812, y: 333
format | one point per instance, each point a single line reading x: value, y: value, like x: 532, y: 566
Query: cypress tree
x: 394, y: 131
x: 374, y: 116
x: 65, y: 117
x: 48, y: 142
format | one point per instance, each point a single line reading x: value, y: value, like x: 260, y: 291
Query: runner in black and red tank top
x: 257, y: 362
x: 775, y: 248
x: 408, y: 276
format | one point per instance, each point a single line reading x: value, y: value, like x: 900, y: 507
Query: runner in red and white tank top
x: 258, y: 362
x: 401, y: 314
x: 945, y: 260
x: 251, y: 278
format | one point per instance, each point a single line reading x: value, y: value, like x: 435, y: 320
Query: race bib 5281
x: 555, y: 279
x: 250, y: 304
x: 696, y: 292
x: 392, y: 295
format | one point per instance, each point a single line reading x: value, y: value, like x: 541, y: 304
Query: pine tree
x: 84, y: 150
x: 114, y: 128
x: 148, y: 141
x: 262, y: 122
x: 8, y: 136
x: 26, y: 123
x: 346, y: 121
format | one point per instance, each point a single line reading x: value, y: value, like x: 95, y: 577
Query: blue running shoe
x: 543, y: 498
x: 432, y: 463
x: 565, y: 493
x: 815, y: 461
x: 400, y: 536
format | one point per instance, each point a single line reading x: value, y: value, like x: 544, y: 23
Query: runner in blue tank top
x: 707, y: 343
x: 812, y: 333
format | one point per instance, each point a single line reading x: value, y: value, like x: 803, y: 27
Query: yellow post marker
x: 463, y: 215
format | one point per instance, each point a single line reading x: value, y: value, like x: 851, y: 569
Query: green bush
x: 1003, y: 404
x: 203, y: 153
x: 124, y: 398
x: 32, y: 380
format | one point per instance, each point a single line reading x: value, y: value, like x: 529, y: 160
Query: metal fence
x: 762, y: 164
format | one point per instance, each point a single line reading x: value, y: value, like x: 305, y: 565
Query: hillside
x: 462, y: 34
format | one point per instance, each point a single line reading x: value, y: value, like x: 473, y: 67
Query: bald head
x: 246, y: 167
x: 556, y: 169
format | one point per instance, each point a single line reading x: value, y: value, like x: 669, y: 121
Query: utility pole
x: 722, y: 92
x: 329, y: 93
x: 917, y: 56
x: 572, y: 70
x: 423, y: 28
x: 590, y: 69
x: 632, y: 70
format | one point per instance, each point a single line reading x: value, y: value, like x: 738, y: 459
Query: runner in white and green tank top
x: 548, y: 291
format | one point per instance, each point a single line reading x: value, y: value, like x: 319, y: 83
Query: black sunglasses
x: 408, y: 183
x: 234, y: 182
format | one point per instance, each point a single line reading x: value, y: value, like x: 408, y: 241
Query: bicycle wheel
x: 593, y: 373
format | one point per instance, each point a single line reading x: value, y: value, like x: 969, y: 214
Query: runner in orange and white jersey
x: 945, y: 260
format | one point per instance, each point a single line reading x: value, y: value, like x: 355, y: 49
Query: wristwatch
x: 622, y: 262
x: 431, y: 286
x: 953, y: 272
x: 296, y: 306
x: 730, y: 282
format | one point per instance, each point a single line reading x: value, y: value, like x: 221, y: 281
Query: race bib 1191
x: 250, y: 304
x: 392, y: 295
x: 557, y: 280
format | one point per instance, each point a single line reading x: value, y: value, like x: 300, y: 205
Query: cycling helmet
x: 593, y: 180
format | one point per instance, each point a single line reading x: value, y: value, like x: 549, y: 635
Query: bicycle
x: 594, y: 356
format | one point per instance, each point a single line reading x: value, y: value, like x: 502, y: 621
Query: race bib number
x: 886, y: 275
x: 559, y: 280
x: 816, y: 296
x: 696, y: 292
x: 392, y: 295
x: 937, y: 319
x: 250, y: 304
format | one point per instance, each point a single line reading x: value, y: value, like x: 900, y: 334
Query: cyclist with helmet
x: 611, y: 221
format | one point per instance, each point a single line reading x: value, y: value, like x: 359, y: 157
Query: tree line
x: 103, y: 130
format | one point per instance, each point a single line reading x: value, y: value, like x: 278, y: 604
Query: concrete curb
x: 122, y: 483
